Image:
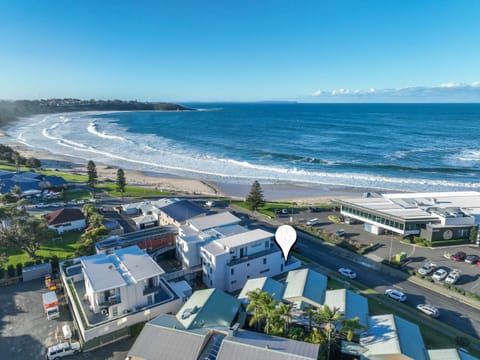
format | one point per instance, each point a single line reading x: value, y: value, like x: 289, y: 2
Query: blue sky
x: 241, y: 50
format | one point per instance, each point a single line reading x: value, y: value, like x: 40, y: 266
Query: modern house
x: 66, y: 219
x: 305, y: 287
x: 227, y: 263
x: 206, y: 328
x: 349, y: 303
x: 198, y: 232
x: 434, y: 216
x: 126, y: 284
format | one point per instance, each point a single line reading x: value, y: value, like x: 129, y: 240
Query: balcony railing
x: 151, y: 289
x: 111, y: 301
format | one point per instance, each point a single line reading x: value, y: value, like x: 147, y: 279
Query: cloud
x: 445, y: 92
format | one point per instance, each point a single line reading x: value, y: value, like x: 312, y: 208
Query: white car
x: 348, y: 273
x: 63, y: 349
x: 340, y: 232
x: 453, y: 277
x: 440, y: 274
x: 396, y: 295
x: 427, y: 268
x: 312, y: 222
x: 429, y: 310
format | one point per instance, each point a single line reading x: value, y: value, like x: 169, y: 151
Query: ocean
x: 404, y: 147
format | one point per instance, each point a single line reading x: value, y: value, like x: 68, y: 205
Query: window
x: 267, y: 243
x: 264, y: 261
x: 248, y: 264
x: 264, y: 271
x: 281, y: 268
x: 233, y: 281
x: 232, y: 271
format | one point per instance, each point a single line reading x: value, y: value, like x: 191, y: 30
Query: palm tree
x: 283, y: 310
x: 255, y: 304
x: 269, y: 305
x: 310, y: 312
x: 349, y: 327
x: 328, y: 317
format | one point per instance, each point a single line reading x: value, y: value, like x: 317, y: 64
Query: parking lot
x: 391, y: 245
x: 25, y: 332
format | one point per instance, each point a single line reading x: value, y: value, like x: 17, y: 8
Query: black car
x: 471, y: 259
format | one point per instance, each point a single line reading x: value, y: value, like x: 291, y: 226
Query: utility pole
x: 391, y: 245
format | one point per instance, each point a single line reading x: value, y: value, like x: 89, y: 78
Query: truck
x: 50, y: 305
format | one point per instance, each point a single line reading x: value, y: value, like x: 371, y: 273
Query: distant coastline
x: 10, y: 111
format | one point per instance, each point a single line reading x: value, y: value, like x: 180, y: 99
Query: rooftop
x: 139, y: 265
x: 449, y: 354
x: 305, y: 285
x: 65, y: 215
x: 214, y: 221
x: 253, y: 345
x: 245, y: 238
x: 183, y: 210
x: 102, y: 272
x: 208, y: 308
x: 269, y: 285
x: 349, y: 303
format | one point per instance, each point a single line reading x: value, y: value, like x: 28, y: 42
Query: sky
x: 249, y: 50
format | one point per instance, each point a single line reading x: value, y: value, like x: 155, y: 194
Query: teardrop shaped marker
x: 285, y: 237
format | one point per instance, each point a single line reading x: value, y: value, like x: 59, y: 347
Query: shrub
x: 11, y: 271
x: 38, y: 261
x: 19, y: 268
x: 461, y: 341
x: 2, y: 273
x: 29, y: 263
x: 46, y: 260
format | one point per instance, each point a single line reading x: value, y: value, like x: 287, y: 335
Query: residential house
x: 227, y: 263
x: 198, y: 232
x: 66, y: 219
x: 178, y: 212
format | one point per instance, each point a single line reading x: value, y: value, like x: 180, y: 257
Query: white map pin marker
x: 285, y: 237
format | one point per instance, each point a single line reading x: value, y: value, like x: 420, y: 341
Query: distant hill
x: 11, y: 110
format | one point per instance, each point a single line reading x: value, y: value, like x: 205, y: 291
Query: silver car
x: 429, y: 310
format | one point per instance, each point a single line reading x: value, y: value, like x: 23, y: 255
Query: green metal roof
x: 306, y: 284
x: 208, y: 308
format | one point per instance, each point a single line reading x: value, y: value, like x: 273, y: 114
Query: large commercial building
x: 433, y: 216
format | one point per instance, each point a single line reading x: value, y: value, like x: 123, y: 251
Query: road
x: 453, y: 312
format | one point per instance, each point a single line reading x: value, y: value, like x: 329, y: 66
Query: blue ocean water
x: 418, y: 147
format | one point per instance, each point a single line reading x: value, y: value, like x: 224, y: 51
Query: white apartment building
x: 198, y: 232
x: 227, y: 263
x: 122, y: 282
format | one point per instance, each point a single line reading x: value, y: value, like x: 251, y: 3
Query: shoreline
x: 300, y: 193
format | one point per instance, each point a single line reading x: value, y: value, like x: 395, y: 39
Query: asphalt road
x: 454, y: 313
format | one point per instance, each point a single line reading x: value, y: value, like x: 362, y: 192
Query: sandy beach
x: 299, y: 193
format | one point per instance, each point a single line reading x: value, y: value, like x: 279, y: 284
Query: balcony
x: 152, y: 289
x: 112, y: 300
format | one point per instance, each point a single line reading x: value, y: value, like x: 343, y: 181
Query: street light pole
x: 391, y: 245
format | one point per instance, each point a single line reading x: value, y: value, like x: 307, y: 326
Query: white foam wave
x: 93, y: 129
x: 152, y: 152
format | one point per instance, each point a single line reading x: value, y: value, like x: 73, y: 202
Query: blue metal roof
x: 183, y: 210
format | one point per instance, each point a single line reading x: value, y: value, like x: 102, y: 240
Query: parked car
x: 471, y: 259
x: 312, y: 221
x: 396, y: 295
x: 63, y: 349
x: 453, y: 277
x: 459, y: 256
x: 340, y: 232
x: 348, y: 273
x: 429, y: 310
x: 427, y: 268
x: 440, y: 274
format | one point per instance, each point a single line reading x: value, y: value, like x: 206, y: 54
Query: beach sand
x: 299, y: 193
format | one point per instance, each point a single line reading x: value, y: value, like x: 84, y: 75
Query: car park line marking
x: 398, y: 287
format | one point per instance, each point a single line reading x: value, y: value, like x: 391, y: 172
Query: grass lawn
x: 76, y: 195
x: 130, y: 191
x: 68, y: 176
x: 268, y: 209
x: 63, y: 247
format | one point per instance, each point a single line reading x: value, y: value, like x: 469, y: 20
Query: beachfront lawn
x: 268, y: 209
x: 130, y: 191
x: 75, y: 194
x: 68, y: 176
x: 63, y: 246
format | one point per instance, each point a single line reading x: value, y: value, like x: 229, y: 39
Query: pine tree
x: 121, y: 182
x: 255, y: 197
x: 92, y: 174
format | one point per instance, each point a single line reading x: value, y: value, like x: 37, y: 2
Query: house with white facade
x: 198, y: 232
x: 126, y: 284
x: 64, y: 220
x: 227, y: 263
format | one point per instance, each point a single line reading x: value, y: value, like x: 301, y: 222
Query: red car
x: 459, y: 256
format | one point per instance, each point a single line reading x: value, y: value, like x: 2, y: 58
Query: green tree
x: 17, y: 159
x: 255, y: 304
x: 27, y: 234
x: 15, y: 190
x: 92, y: 174
x: 283, y: 311
x: 264, y: 309
x: 349, y: 327
x: 327, y: 317
x: 255, y: 198
x: 121, y: 181
x: 310, y: 313
x: 33, y: 163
